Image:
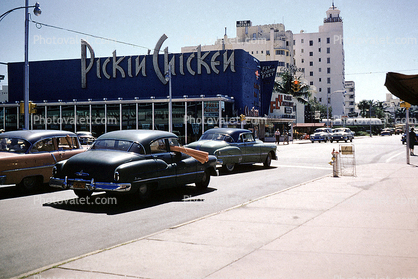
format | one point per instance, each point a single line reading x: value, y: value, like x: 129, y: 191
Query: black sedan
x: 133, y: 161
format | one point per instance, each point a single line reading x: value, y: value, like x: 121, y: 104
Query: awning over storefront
x: 309, y: 125
x: 403, y: 86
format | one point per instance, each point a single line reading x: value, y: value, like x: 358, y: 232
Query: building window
x: 319, y: 69
x: 267, y: 52
x: 320, y: 89
x: 281, y: 64
x: 328, y: 70
x: 262, y: 51
x: 328, y: 50
x: 311, y: 74
x: 320, y: 79
x: 301, y: 51
x: 311, y: 63
x: 319, y: 59
x: 320, y: 99
x: 279, y: 52
x: 319, y: 49
x: 294, y: 42
x: 328, y: 80
x: 329, y: 90
x: 311, y: 43
x: 301, y: 40
x: 311, y: 83
x: 328, y: 40
x: 328, y: 60
x: 302, y: 60
x: 319, y: 40
x: 311, y: 53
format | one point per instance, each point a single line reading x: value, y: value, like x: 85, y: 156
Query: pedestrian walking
x: 412, y: 140
x: 286, y: 138
x: 277, y: 135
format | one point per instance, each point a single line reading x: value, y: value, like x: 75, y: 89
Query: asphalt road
x: 51, y: 226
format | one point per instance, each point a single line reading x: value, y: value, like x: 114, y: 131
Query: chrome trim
x: 91, y: 185
x: 30, y: 168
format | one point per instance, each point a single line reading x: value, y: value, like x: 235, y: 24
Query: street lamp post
x: 36, y: 11
x: 170, y: 101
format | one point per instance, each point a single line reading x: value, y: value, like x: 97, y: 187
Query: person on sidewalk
x: 277, y: 135
x: 412, y: 140
x: 286, y: 138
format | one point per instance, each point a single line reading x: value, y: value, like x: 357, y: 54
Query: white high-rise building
x: 270, y: 42
x: 321, y: 57
x: 350, y: 98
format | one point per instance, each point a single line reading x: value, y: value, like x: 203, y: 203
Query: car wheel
x: 30, y: 183
x: 83, y: 193
x: 332, y: 141
x: 229, y: 167
x: 312, y: 141
x: 203, y: 184
x: 267, y: 162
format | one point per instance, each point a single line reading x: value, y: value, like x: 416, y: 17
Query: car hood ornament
x: 81, y: 173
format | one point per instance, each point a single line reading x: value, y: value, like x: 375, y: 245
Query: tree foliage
x: 284, y: 85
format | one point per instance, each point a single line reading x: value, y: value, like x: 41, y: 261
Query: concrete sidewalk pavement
x: 347, y: 227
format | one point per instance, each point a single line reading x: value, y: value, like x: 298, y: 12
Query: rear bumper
x: 91, y: 185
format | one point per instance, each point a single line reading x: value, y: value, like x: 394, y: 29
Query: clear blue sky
x: 380, y: 35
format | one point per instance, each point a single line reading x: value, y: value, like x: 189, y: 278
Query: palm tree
x: 285, y: 86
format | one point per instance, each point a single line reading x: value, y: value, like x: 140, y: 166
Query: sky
x: 380, y: 36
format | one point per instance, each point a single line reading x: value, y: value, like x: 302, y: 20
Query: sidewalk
x: 338, y: 228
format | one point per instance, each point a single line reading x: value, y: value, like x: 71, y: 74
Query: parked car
x: 386, y: 132
x: 321, y: 134
x: 134, y: 162
x: 398, y: 131
x: 342, y: 134
x: 234, y: 146
x: 28, y: 156
x: 85, y: 137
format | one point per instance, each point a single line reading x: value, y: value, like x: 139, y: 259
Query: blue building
x: 208, y: 89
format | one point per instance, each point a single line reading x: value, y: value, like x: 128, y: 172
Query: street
x: 44, y: 228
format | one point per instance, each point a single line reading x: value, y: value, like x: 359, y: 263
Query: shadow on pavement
x: 10, y: 192
x: 117, y: 204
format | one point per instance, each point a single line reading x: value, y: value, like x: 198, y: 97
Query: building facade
x: 350, y: 98
x: 320, y: 55
x: 4, y: 94
x: 101, y: 94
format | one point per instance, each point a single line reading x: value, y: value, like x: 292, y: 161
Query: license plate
x: 79, y: 185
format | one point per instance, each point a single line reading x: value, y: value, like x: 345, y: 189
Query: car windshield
x: 112, y: 144
x: 216, y: 136
x: 84, y: 134
x: 14, y: 145
x: 320, y: 130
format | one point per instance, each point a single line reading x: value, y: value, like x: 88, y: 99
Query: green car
x: 234, y: 146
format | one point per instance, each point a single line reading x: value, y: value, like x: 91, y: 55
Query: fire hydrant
x: 334, y: 162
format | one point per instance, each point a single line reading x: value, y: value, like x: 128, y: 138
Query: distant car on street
x: 386, y: 132
x: 321, y: 134
x: 28, y: 156
x: 234, y: 146
x: 342, y: 134
x: 134, y: 162
x: 85, y: 137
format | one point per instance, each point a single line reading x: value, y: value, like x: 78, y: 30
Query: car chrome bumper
x: 91, y: 185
